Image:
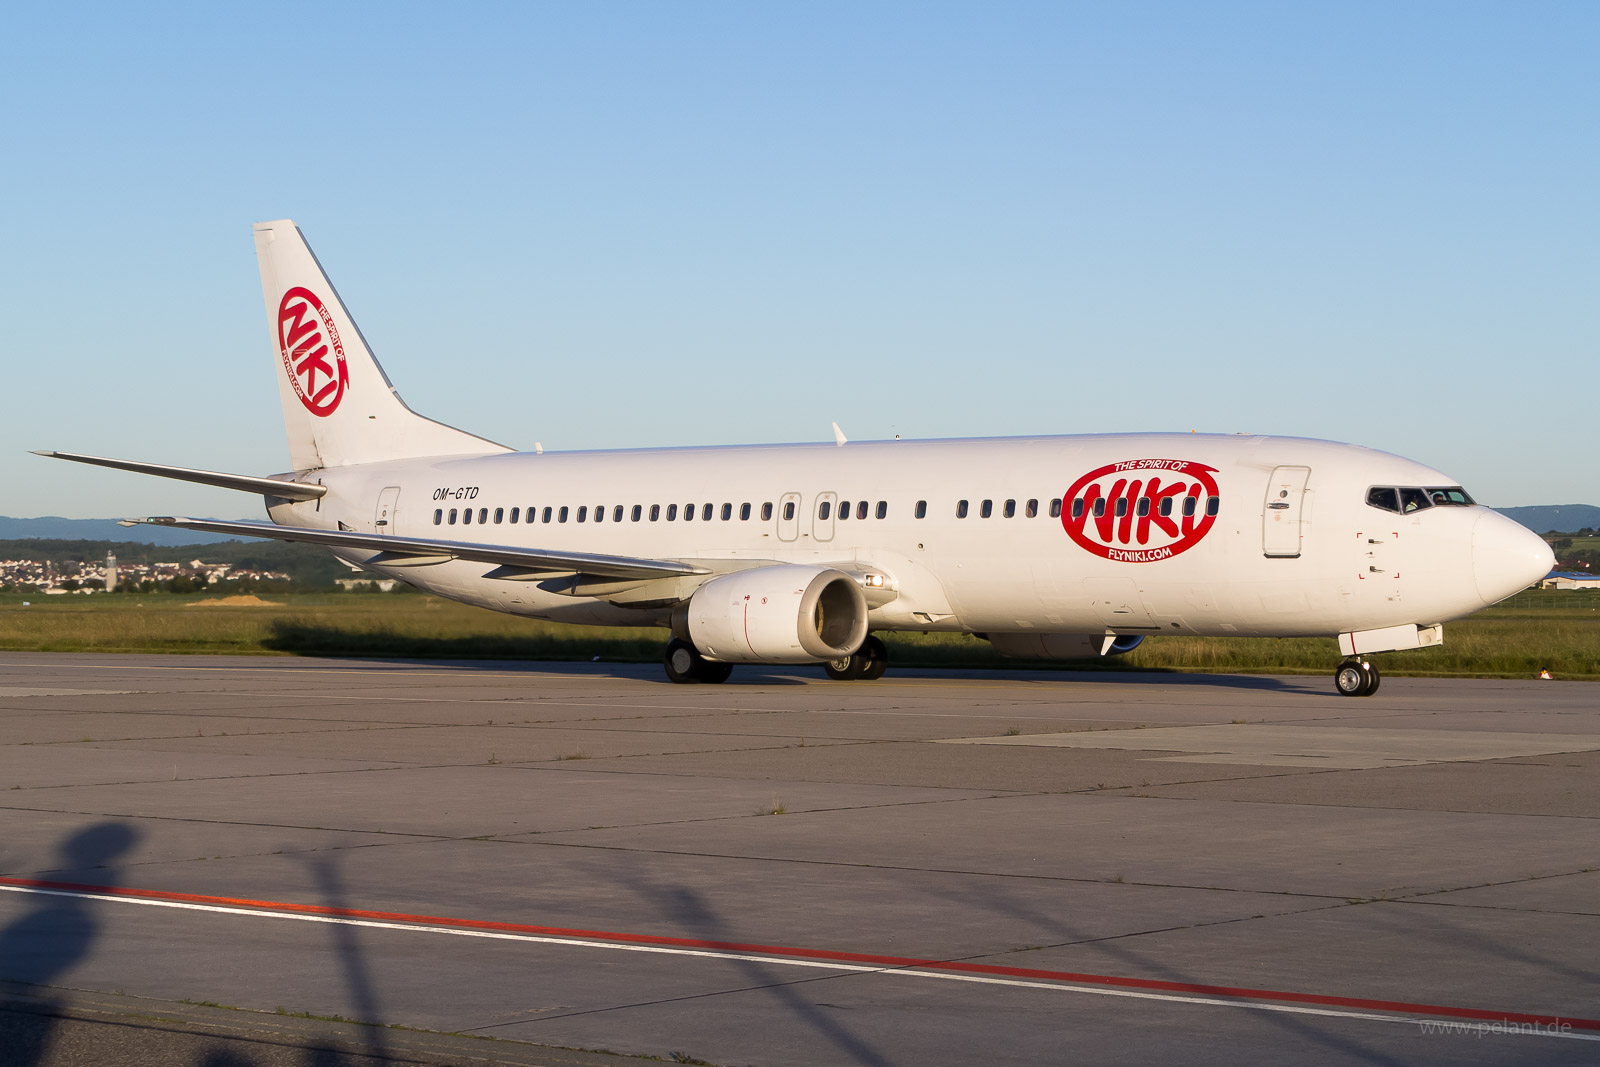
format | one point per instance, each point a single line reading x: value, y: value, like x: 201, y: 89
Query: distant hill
x: 53, y: 528
x: 1564, y: 518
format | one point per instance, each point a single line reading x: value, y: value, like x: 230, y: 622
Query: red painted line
x: 955, y: 966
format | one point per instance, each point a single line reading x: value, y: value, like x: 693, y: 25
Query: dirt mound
x: 249, y: 600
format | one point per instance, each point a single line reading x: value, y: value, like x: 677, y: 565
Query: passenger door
x: 1282, y: 513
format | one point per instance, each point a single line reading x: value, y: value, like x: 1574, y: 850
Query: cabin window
x: 986, y: 508
x: 1166, y: 505
x: 844, y: 509
x: 705, y: 513
x: 616, y: 513
x: 1055, y: 508
x: 788, y: 510
x: 1077, y: 508
x: 824, y: 509
x: 655, y: 512
x: 672, y: 513
x: 961, y: 509
x: 638, y: 509
x: 861, y: 509
x: 1188, y: 506
x: 599, y: 513
x: 438, y: 516
x: 744, y: 512
x: 546, y: 514
x: 1033, y: 509
x: 561, y: 516
x: 883, y: 509
x: 515, y: 514
x: 466, y: 516
x: 1213, y: 506
x: 452, y: 516
x: 1144, y: 506
x: 1011, y: 509
x: 583, y: 513
x: 922, y: 509
x: 688, y: 513
x: 499, y: 515
x: 766, y: 512
x: 727, y: 512
x: 1122, y: 506
x: 1100, y: 508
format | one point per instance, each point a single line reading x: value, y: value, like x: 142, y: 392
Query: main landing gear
x: 867, y: 663
x: 685, y: 664
x: 1356, y: 678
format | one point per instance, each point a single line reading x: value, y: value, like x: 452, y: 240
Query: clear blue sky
x: 601, y: 225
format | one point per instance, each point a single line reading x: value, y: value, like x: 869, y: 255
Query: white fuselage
x: 1293, y: 547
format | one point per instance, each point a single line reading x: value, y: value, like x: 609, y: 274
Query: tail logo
x: 307, y: 343
x: 1141, y: 510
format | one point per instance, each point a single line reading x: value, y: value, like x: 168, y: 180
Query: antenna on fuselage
x: 838, y: 436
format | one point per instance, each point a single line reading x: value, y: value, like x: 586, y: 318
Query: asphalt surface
x: 229, y: 861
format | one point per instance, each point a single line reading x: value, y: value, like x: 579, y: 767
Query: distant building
x: 1570, y: 580
x: 111, y: 572
x: 350, y: 585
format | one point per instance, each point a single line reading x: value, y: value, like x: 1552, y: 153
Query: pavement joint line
x: 1285, y: 1001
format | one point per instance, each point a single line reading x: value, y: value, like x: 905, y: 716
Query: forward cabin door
x: 1285, y: 507
x: 383, y: 518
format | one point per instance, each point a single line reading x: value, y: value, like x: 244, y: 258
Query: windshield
x: 1408, y: 498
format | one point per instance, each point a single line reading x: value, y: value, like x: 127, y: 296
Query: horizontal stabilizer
x: 278, y: 487
x: 415, y: 549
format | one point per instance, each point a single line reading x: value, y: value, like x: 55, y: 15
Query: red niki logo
x: 306, y: 341
x: 1141, y: 510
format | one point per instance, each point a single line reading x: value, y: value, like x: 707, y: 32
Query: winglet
x: 838, y: 436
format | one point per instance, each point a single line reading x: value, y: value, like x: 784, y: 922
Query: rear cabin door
x: 383, y: 518
x: 1281, y: 517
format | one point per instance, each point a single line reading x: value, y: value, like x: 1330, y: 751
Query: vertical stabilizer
x: 338, y: 405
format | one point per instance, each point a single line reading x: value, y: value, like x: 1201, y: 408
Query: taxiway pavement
x: 934, y: 868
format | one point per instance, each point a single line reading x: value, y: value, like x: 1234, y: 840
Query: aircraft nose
x: 1507, y: 557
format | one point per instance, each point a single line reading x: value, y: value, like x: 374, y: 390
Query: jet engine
x: 787, y: 613
x: 1063, y: 646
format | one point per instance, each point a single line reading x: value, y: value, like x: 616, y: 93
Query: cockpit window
x: 1406, y: 499
x: 1384, y: 497
x: 1412, y: 499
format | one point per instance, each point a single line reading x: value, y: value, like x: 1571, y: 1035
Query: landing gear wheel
x: 686, y: 665
x: 1355, y: 678
x: 877, y: 659
x: 867, y: 663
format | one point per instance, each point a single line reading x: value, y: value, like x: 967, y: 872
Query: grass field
x: 1558, y: 630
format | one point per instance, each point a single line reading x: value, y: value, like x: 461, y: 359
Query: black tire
x: 713, y: 673
x: 1353, y: 679
x: 877, y: 659
x: 683, y: 662
x: 1373, y: 679
x: 846, y: 668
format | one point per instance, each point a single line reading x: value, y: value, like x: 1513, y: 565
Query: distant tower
x: 111, y: 572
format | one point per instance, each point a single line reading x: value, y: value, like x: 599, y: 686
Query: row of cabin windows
x: 861, y: 509
x: 1008, y: 509
x: 637, y: 513
x: 1142, y: 507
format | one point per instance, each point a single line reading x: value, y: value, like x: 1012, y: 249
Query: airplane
x: 1050, y: 547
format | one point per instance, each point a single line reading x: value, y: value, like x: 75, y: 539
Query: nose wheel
x: 1356, y: 678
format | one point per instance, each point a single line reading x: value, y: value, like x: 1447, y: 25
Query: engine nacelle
x: 786, y: 613
x: 1062, y: 646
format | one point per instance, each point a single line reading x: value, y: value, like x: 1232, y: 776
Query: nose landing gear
x: 1356, y: 678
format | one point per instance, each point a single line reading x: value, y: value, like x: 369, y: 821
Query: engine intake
x: 788, y: 613
x: 1062, y: 646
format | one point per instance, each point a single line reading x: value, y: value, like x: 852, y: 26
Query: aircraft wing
x: 418, y: 550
